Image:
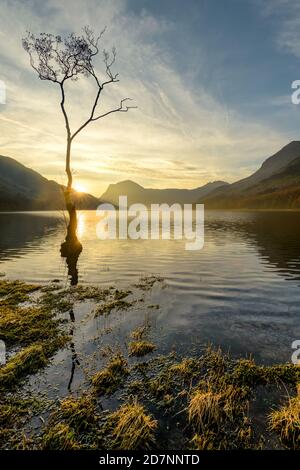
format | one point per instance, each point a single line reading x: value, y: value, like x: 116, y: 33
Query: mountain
x: 276, y: 185
x: 24, y: 189
x: 137, y: 193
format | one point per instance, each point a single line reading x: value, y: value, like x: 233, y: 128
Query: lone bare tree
x: 59, y: 60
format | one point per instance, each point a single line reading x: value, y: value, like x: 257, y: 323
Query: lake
x: 240, y: 292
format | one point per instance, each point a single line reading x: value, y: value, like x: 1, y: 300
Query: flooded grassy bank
x: 115, y: 389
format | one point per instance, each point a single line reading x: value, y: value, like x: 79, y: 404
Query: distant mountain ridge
x: 137, y: 193
x: 22, y: 189
x: 275, y: 185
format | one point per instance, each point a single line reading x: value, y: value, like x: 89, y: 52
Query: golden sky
x: 184, y: 132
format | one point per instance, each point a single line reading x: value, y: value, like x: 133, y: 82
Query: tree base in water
x: 70, y: 248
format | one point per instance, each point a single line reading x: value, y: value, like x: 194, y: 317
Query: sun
x: 79, y: 188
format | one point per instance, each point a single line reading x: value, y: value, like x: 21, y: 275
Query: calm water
x: 242, y: 291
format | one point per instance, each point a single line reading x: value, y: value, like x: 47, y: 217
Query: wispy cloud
x: 180, y: 135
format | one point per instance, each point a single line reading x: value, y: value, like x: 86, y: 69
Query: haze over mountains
x: 22, y: 189
x: 148, y: 196
x: 276, y: 185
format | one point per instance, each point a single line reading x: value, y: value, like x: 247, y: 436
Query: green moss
x: 109, y: 379
x: 140, y: 348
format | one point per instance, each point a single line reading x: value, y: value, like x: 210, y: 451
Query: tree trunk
x: 71, y: 247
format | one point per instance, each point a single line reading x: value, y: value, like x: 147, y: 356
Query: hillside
x: 147, y: 196
x: 22, y: 188
x: 276, y: 185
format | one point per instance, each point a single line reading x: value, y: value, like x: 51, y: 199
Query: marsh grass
x: 33, y: 330
x: 108, y: 307
x: 146, y: 283
x: 131, y: 427
x: 140, y: 348
x: 109, y: 379
x: 286, y: 422
x: 25, y: 362
x: 203, y: 399
x: 15, y: 292
x: 60, y: 437
x: 24, y: 325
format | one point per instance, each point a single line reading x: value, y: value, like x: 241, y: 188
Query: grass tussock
x: 286, y: 422
x: 60, y: 437
x: 209, y: 408
x: 132, y: 428
x: 109, y: 379
x: 140, y: 348
x: 26, y: 362
x: 79, y: 413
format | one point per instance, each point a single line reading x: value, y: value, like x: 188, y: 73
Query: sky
x: 211, y: 80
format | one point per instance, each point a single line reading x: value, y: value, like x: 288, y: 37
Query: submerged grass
x: 15, y: 292
x: 108, y: 307
x: 33, y: 330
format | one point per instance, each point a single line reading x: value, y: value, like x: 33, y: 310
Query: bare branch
x: 58, y: 60
x: 120, y: 109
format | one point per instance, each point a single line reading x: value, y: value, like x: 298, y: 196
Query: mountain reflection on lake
x: 241, y: 291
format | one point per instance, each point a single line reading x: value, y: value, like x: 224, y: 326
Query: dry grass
x: 286, y: 422
x: 59, y: 437
x: 187, y: 368
x: 205, y: 441
x: 209, y: 408
x: 140, y: 348
x: 79, y: 413
x: 111, y: 377
x: 27, y: 361
x: 27, y: 324
x: 205, y: 407
x: 132, y: 428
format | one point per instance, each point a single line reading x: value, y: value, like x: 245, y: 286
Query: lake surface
x: 241, y: 291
